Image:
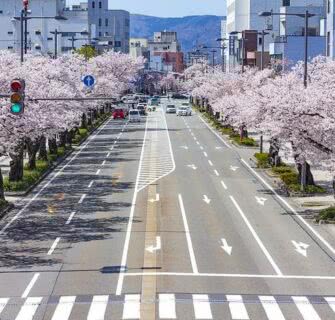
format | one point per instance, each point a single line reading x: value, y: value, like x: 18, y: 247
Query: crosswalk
x: 170, y: 306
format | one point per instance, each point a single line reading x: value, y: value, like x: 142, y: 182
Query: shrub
x: 326, y: 214
x: 283, y: 169
x: 245, y: 141
x: 262, y: 160
x: 289, y: 178
x: 83, y: 132
x: 309, y: 189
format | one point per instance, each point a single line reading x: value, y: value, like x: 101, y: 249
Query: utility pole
x: 22, y: 36
x: 56, y: 43
x: 306, y: 49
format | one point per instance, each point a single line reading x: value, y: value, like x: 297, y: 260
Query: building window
x: 286, y: 3
x: 93, y: 4
x: 259, y: 41
x: 100, y: 34
x: 106, y: 22
x: 100, y: 22
x: 10, y: 32
x: 50, y: 39
x: 117, y: 44
x: 9, y: 47
x: 127, y: 22
x: 328, y: 44
x: 100, y: 5
x: 328, y: 6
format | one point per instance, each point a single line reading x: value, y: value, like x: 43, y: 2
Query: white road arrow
x: 226, y: 247
x: 206, y: 199
x: 301, y: 247
x: 192, y: 166
x: 261, y: 200
x: 233, y: 168
x: 218, y: 148
x: 184, y: 147
x: 157, y: 247
x: 155, y: 200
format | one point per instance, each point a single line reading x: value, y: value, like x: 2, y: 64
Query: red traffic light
x: 16, y: 85
x: 25, y: 4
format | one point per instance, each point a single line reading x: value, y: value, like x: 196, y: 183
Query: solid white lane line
x: 131, y: 217
x: 3, y: 302
x: 205, y: 154
x: 210, y: 163
x: 98, y: 308
x: 306, y: 309
x: 224, y: 185
x: 216, y: 172
x: 103, y: 162
x: 30, y: 285
x: 237, y: 308
x: 91, y: 183
x: 258, y: 240
x: 131, y: 308
x: 167, y: 306
x: 290, y: 208
x: 70, y: 217
x: 331, y: 302
x: 53, y: 247
x: 98, y: 172
x: 271, y: 308
x: 50, y: 181
x: 188, y: 236
x: 29, y: 308
x: 64, y: 308
x: 215, y: 132
x: 82, y: 198
x: 201, y: 305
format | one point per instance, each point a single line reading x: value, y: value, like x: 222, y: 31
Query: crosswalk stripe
x: 131, y: 308
x: 271, y: 308
x: 64, y: 308
x: 29, y: 308
x: 167, y: 306
x: 331, y: 302
x: 98, y: 308
x: 237, y: 308
x: 306, y: 309
x: 201, y: 305
x: 3, y: 302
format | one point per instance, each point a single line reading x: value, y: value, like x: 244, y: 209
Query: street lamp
x: 213, y: 51
x: 306, y: 16
x: 223, y: 47
x: 243, y: 40
x: 263, y: 33
x: 24, y: 18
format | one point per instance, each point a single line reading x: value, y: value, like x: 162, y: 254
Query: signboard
x: 89, y: 81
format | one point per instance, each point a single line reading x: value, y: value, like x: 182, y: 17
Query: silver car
x: 184, y: 111
x: 171, y: 108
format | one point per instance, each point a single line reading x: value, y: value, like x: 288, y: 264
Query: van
x: 134, y: 116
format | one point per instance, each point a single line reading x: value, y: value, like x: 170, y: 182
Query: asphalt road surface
x: 162, y: 220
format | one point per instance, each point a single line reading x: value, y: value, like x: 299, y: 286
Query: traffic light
x: 17, y: 88
x: 25, y: 4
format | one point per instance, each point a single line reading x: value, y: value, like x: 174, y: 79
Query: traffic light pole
x: 25, y: 31
x: 22, y: 36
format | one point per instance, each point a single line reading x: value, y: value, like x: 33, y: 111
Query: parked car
x: 141, y: 109
x: 134, y: 116
x: 184, y: 111
x: 171, y: 108
x: 179, y: 96
x: 118, y: 114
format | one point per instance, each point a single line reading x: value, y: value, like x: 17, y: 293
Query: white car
x: 184, y: 111
x: 134, y: 116
x: 171, y: 108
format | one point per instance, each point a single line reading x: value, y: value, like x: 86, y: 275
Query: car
x: 154, y: 102
x: 171, y: 108
x: 134, y: 116
x: 184, y: 111
x: 141, y: 109
x: 179, y: 96
x: 118, y: 114
x: 158, y: 98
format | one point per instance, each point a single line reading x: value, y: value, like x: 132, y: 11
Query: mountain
x: 192, y: 30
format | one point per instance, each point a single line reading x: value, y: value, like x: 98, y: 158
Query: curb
x: 51, y: 168
x: 4, y: 211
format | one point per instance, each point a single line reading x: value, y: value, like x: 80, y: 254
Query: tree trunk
x: 274, y: 158
x: 43, y: 155
x: 53, y: 146
x: 309, y: 176
x: 243, y: 132
x: 32, y: 148
x: 89, y: 121
x: 2, y: 193
x: 84, y: 121
x: 69, y: 136
x: 16, y: 164
x: 62, y: 138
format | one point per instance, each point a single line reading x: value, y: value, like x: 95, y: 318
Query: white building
x: 74, y: 32
x: 330, y: 28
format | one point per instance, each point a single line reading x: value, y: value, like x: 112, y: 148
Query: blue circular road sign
x: 89, y: 81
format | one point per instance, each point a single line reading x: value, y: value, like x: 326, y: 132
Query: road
x: 162, y: 220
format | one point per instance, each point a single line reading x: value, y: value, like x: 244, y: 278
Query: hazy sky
x: 167, y: 8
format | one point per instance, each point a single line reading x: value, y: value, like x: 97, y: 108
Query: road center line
x: 210, y: 163
x: 91, y: 183
x: 205, y: 154
x: 108, y: 154
x: 258, y: 240
x: 216, y: 172
x: 82, y: 198
x: 53, y: 247
x: 70, y: 217
x: 188, y: 236
x: 290, y: 208
x: 224, y: 185
x: 103, y: 162
x: 98, y: 172
x: 30, y: 285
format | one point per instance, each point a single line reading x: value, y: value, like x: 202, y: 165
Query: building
x: 330, y: 28
x: 82, y: 26
x: 138, y: 47
x: 165, y: 52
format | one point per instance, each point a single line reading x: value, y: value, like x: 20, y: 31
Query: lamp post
x: 223, y: 47
x: 263, y: 33
x: 243, y: 40
x: 306, y: 16
x: 23, y: 18
x: 223, y: 56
